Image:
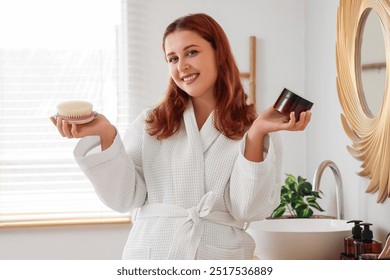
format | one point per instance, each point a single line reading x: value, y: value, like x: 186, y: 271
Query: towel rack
x: 251, y: 75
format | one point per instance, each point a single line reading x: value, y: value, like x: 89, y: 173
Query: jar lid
x: 296, y: 98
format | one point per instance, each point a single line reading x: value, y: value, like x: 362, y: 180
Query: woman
x: 197, y: 167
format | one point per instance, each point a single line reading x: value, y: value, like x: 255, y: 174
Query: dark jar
x: 290, y: 102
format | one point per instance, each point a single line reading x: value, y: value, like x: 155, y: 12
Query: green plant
x: 298, y: 198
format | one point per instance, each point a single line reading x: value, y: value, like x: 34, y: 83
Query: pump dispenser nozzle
x: 367, y: 234
x: 357, y: 229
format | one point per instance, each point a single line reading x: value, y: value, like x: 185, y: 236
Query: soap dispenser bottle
x: 367, y: 245
x: 349, y: 246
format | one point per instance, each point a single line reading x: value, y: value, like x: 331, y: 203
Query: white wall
x: 325, y: 136
x: 82, y: 242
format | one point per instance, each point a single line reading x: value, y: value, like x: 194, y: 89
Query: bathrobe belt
x: 187, y: 238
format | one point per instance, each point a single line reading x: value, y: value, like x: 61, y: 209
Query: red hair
x: 232, y: 114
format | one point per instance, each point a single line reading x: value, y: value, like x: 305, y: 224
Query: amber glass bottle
x: 367, y: 245
x: 349, y: 246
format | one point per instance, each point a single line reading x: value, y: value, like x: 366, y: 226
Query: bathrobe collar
x: 207, y: 134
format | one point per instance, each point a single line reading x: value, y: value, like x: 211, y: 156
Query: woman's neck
x: 202, y: 110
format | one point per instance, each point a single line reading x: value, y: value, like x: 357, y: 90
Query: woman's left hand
x: 271, y: 120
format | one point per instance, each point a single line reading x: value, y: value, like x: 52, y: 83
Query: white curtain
x: 39, y: 180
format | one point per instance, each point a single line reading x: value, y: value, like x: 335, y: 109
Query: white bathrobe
x: 191, y: 194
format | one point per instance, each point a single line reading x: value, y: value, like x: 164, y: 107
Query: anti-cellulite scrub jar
x: 290, y: 102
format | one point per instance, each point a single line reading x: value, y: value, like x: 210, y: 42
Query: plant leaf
x: 290, y: 179
x: 305, y: 213
x: 279, y: 211
x: 301, y: 206
x: 316, y: 194
x: 315, y: 205
x: 284, y: 191
x: 305, y: 188
x: 311, y: 199
x: 301, y: 180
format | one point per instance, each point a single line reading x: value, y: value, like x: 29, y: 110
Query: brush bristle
x: 74, y: 109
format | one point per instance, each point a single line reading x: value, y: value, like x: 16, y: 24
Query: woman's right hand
x: 98, y: 127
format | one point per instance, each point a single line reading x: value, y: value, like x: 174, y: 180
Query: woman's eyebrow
x: 190, y: 46
x: 186, y: 48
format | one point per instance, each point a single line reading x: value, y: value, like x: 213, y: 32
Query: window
x: 52, y: 51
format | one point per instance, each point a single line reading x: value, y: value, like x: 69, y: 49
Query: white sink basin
x: 299, y: 239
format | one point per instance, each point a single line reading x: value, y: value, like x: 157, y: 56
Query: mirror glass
x: 373, y: 64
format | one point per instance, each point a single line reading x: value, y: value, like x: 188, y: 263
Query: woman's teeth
x: 189, y: 78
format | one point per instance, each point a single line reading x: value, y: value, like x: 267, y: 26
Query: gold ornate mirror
x: 369, y: 132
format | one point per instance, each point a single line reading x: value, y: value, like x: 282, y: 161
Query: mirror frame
x: 370, y: 135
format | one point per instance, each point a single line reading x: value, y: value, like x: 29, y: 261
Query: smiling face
x: 192, y: 64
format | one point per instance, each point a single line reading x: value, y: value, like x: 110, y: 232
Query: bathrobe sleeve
x: 254, y: 190
x: 116, y: 173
